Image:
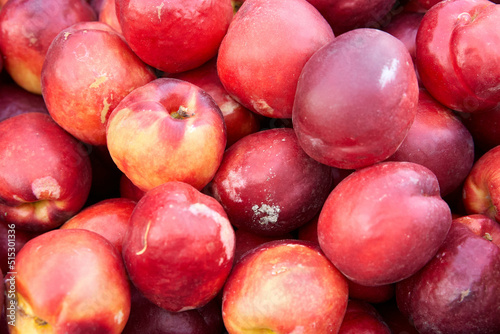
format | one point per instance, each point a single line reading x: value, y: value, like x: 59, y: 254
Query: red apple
x: 458, y: 291
x: 458, y: 43
x: 481, y: 190
x: 383, y: 223
x: 130, y: 190
x: 167, y: 130
x: 285, y: 286
x: 146, y: 317
x: 362, y: 317
x: 15, y: 100
x: 174, y: 36
x: 27, y: 28
x: 45, y: 174
x: 254, y: 178
x: 239, y: 120
x: 259, y: 62
x: 439, y: 141
x: 179, y: 247
x: 103, y: 71
x: 246, y: 241
x: 69, y: 281
x: 404, y: 27
x: 356, y: 99
x: 108, y: 15
x: 109, y: 218
x: 345, y: 15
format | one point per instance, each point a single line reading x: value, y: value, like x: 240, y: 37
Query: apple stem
x: 182, y: 113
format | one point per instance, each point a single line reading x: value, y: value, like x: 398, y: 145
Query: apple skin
x: 457, y: 291
x: 103, y: 71
x: 130, y: 190
x: 259, y: 64
x: 284, y: 286
x: 340, y: 88
x: 146, y: 317
x: 439, y: 141
x: 27, y: 28
x: 253, y: 183
x: 45, y: 174
x: 239, y: 120
x: 15, y: 100
x: 458, y: 43
x: 56, y: 297
x: 109, y: 218
x: 404, y: 26
x: 362, y: 318
x: 190, y: 269
x: 108, y: 15
x: 152, y: 146
x: 481, y: 189
x: 246, y: 241
x: 345, y: 15
x: 377, y: 234
x: 174, y: 36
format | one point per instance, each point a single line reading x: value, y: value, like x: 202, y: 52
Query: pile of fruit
x: 258, y: 166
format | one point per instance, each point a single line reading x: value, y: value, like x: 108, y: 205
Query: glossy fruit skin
x: 356, y: 99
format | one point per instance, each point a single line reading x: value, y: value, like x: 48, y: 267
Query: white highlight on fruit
x: 46, y: 188
x: 268, y: 213
x: 388, y: 73
x: 226, y: 232
x: 229, y: 106
x: 232, y: 185
x: 119, y: 317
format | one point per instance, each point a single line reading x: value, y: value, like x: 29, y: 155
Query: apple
x: 254, y: 178
x: 103, y: 71
x: 130, y: 190
x: 246, y: 241
x: 109, y: 218
x: 167, y: 130
x: 82, y: 286
x: 457, y: 291
x: 356, y: 99
x: 362, y: 317
x: 239, y: 120
x: 15, y: 100
x: 259, y: 62
x: 146, y: 317
x: 179, y: 247
x: 383, y: 223
x: 404, y: 27
x: 457, y: 49
x: 45, y: 174
x: 27, y: 28
x: 284, y: 286
x: 481, y: 190
x: 174, y: 36
x: 439, y: 141
x: 345, y: 15
x: 108, y: 15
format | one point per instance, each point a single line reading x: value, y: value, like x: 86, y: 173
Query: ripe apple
x: 179, y: 247
x: 458, y: 43
x: 167, y: 130
x: 130, y: 190
x: 356, y: 99
x: 404, y: 26
x: 439, y: 141
x: 45, y: 174
x: 362, y: 317
x: 481, y: 190
x: 109, y: 218
x: 383, y: 223
x: 174, y: 36
x: 103, y: 71
x: 345, y: 15
x: 284, y: 286
x: 254, y: 178
x: 15, y: 100
x: 246, y: 241
x: 108, y: 15
x: 239, y: 120
x: 27, y: 28
x: 69, y: 281
x: 146, y: 317
x: 259, y: 62
x: 457, y: 291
